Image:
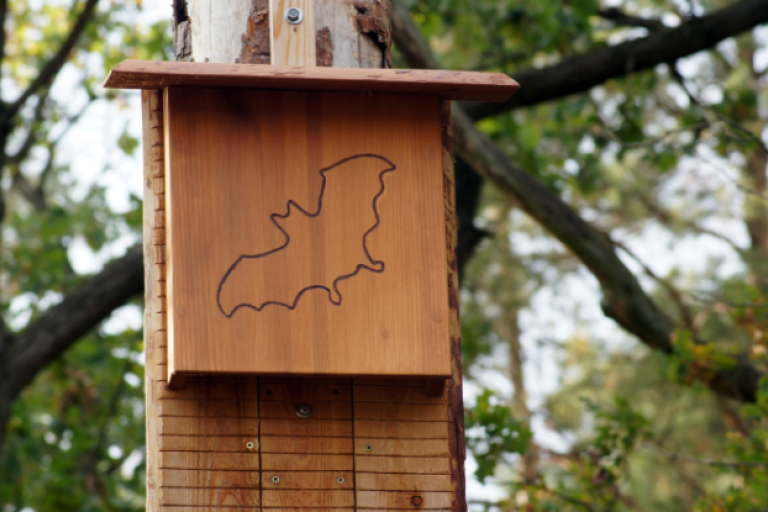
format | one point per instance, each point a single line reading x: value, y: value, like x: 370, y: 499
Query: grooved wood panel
x: 305, y: 236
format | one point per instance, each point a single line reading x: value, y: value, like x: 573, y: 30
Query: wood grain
x: 451, y: 85
x: 340, y: 267
x: 292, y: 44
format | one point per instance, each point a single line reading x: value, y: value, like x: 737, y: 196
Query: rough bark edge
x: 455, y: 388
x: 255, y: 41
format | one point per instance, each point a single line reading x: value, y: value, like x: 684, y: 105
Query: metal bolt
x: 249, y: 445
x: 304, y: 411
x: 294, y: 16
x: 369, y: 447
x: 416, y: 501
x: 275, y: 479
x: 340, y: 480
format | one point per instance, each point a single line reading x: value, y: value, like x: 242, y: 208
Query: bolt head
x: 340, y: 480
x: 249, y: 445
x: 294, y: 15
x: 369, y: 447
x: 275, y: 479
x: 304, y: 411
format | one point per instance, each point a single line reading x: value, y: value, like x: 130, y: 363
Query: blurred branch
x: 47, y: 337
x: 706, y: 462
x: 624, y: 300
x: 622, y: 19
x: 51, y: 69
x: 580, y: 73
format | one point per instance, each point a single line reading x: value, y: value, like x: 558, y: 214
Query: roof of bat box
x: 453, y: 85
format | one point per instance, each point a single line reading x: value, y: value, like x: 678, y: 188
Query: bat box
x: 305, y: 220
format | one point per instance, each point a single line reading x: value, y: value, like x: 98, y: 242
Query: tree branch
x: 622, y: 19
x: 62, y: 325
x: 623, y: 298
x: 581, y: 73
x: 52, y: 67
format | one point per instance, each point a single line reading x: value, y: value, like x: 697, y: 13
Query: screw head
x: 304, y: 411
x: 369, y: 447
x: 294, y: 15
x: 275, y: 479
x: 340, y: 480
x: 249, y: 445
x: 416, y: 501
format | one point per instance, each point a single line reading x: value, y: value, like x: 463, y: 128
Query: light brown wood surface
x: 305, y: 236
x: 454, y: 85
x: 292, y: 44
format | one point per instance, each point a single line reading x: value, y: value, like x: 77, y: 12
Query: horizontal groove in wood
x: 306, y: 392
x: 401, y: 412
x: 327, y: 480
x: 210, y: 426
x: 306, y: 462
x: 311, y: 381
x: 210, y: 497
x: 203, y: 460
x: 319, y: 499
x: 397, y: 394
x: 212, y: 391
x: 327, y: 445
x: 392, y: 381
x: 321, y: 410
x: 209, y: 408
x: 403, y: 465
x: 305, y: 428
x: 207, y: 443
x: 210, y: 479
x: 401, y: 429
x: 191, y: 508
x: 403, y: 499
x: 399, y: 482
x: 308, y: 509
x: 402, y: 447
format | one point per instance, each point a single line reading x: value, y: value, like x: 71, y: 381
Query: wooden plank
x: 306, y: 392
x: 210, y: 497
x: 209, y: 461
x: 397, y: 394
x: 404, y: 500
x: 208, y: 443
x: 401, y: 412
x: 306, y: 462
x: 330, y: 480
x: 210, y: 426
x: 328, y: 445
x: 410, y: 465
x: 375, y: 193
x: 211, y: 479
x: 386, y: 482
x: 451, y: 85
x: 401, y: 429
x: 307, y: 498
x: 303, y: 428
x: 182, y: 508
x: 292, y: 44
x: 320, y: 410
x: 402, y: 447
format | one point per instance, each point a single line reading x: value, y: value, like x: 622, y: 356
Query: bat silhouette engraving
x: 311, y: 257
